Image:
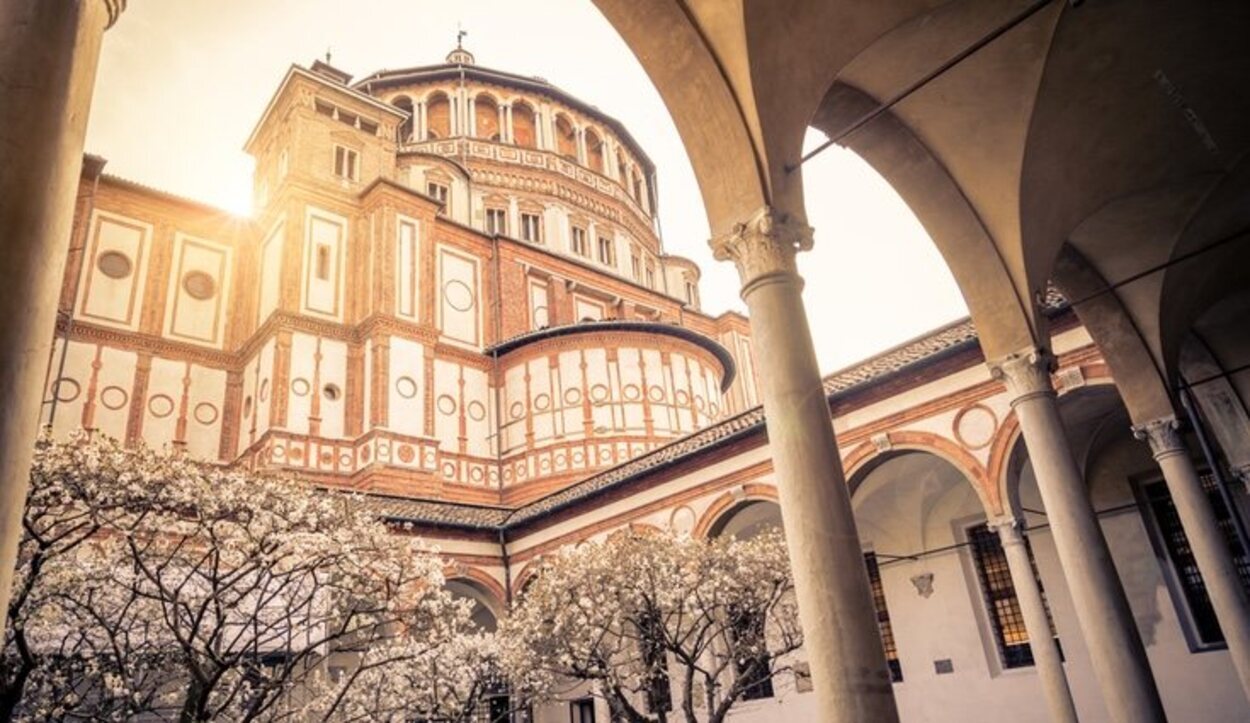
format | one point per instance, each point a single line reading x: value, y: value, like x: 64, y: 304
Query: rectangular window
x: 883, y: 617
x: 1003, y: 606
x: 650, y: 275
x: 437, y: 191
x: 635, y: 265
x: 1189, y: 592
x: 578, y: 243
x: 690, y: 293
x: 346, y: 163
x: 582, y: 711
x: 531, y: 228
x: 606, y: 255
x: 496, y: 221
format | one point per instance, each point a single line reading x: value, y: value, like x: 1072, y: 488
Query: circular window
x: 300, y: 386
x: 161, y: 405
x: 331, y: 392
x: 205, y: 413
x: 406, y: 387
x: 114, y: 397
x: 114, y: 264
x: 458, y: 295
x: 66, y: 389
x: 199, y: 285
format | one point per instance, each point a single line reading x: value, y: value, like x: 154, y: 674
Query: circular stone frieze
x: 199, y: 285
x: 446, y: 404
x: 631, y: 392
x: 114, y: 264
x: 406, y: 387
x: 66, y: 389
x: 458, y: 295
x: 161, y: 405
x: 477, y: 411
x: 300, y: 386
x: 205, y: 413
x: 682, y: 397
x: 700, y: 403
x: 114, y: 397
x: 542, y: 402
x: 516, y: 410
x: 656, y: 393
x: 572, y: 396
x: 974, y: 426
x: 599, y: 393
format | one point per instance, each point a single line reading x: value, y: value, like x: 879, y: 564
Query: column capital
x: 1026, y: 374
x: 115, y: 9
x: 1010, y: 529
x: 1163, y: 435
x: 763, y: 245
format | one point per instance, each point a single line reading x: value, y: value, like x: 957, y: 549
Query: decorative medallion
x: 205, y: 413
x: 516, y: 410
x: 264, y: 391
x: 599, y: 393
x: 477, y: 411
x: 974, y: 426
x: 572, y: 395
x: 300, y: 387
x: 161, y: 405
x: 656, y: 393
x: 199, y: 285
x: 331, y: 392
x: 66, y: 389
x: 458, y: 295
x: 631, y: 392
x: 542, y: 402
x: 406, y: 387
x: 446, y: 404
x: 114, y: 264
x: 406, y: 453
x: 113, y: 397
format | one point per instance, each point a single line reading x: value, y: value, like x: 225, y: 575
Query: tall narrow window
x: 346, y: 163
x: 582, y: 711
x: 650, y: 275
x: 606, y: 251
x: 497, y: 221
x: 578, y: 241
x: 323, y: 262
x: 1189, y: 591
x: 883, y: 617
x: 1003, y: 606
x: 635, y: 264
x: 531, y: 228
x: 690, y: 293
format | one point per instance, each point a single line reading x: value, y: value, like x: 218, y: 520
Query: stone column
x: 48, y: 55
x: 842, y: 641
x: 1211, y: 552
x: 1102, y: 609
x: 1033, y: 608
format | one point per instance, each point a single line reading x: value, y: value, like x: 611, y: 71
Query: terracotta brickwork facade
x: 408, y: 227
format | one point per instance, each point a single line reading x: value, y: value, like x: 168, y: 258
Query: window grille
x: 883, y: 618
x: 1003, y: 606
x: 1180, y: 557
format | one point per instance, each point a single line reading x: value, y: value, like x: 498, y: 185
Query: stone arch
x: 865, y: 457
x: 486, y: 593
x: 566, y: 136
x: 406, y: 126
x: 595, y: 150
x: 729, y: 502
x: 486, y: 117
x: 438, y: 115
x: 524, y: 124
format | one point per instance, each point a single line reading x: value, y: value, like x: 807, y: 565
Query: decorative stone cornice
x: 115, y: 9
x: 1026, y: 374
x: 763, y: 245
x: 1163, y: 435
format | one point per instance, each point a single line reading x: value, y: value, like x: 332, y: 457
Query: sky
x: 181, y: 84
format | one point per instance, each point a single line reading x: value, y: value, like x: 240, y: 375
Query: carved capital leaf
x: 764, y: 244
x: 1163, y: 435
x: 1026, y: 373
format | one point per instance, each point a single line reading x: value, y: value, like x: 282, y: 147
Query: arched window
x: 566, y: 138
x: 594, y: 151
x: 404, y: 103
x: 486, y: 117
x: 438, y: 116
x: 523, y: 127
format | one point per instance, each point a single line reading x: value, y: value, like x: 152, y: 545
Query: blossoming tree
x: 150, y: 584
x: 643, y: 614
